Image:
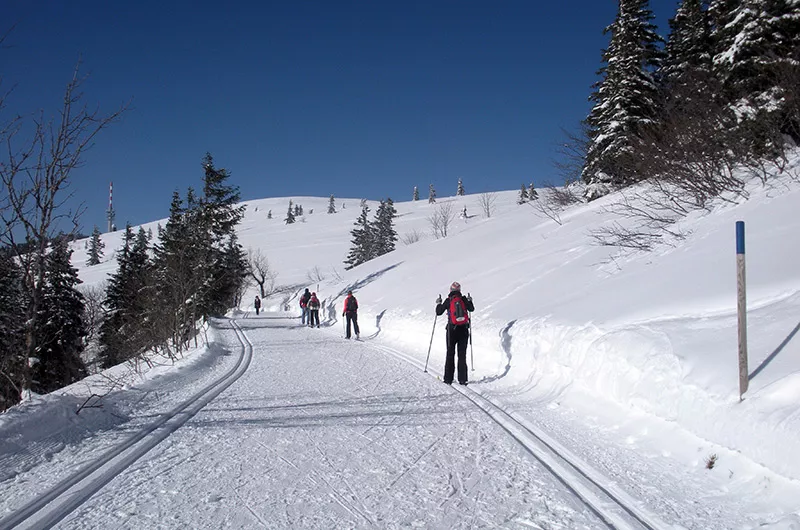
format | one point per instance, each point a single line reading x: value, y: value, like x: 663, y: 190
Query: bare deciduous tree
x: 38, y: 158
x: 441, y: 219
x: 487, y: 200
x: 261, y: 272
x: 93, y: 297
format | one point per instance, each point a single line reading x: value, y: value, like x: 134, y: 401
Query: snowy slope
x: 629, y: 360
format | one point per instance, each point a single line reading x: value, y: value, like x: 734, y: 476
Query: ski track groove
x: 58, y: 502
x: 596, y: 492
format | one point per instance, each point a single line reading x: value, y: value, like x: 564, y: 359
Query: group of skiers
x: 457, y: 306
x: 309, y: 307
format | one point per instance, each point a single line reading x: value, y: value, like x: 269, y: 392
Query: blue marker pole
x: 742, y: 308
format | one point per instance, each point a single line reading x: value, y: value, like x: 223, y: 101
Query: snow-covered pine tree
x: 362, y: 244
x: 415, y: 196
x: 96, y: 247
x: 331, y: 205
x: 135, y: 306
x: 532, y: 193
x: 176, y: 306
x: 12, y: 326
x: 625, y: 100
x: 385, y: 235
x: 61, y: 330
x: 688, y: 48
x: 289, y: 214
x: 217, y: 221
x: 460, y: 188
x: 523, y: 195
x: 757, y: 54
x: 269, y: 214
x: 431, y: 195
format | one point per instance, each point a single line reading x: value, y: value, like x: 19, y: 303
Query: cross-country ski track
x: 304, y: 429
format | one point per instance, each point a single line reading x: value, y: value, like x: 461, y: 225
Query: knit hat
x: 455, y: 286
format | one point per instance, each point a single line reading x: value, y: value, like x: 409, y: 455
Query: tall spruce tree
x: 61, y: 330
x: 384, y: 234
x: 431, y: 194
x: 415, y: 196
x: 13, y: 358
x: 96, y: 247
x: 362, y: 243
x: 757, y: 43
x: 523, y: 195
x: 219, y: 217
x: 331, y: 205
x: 176, y: 272
x: 625, y: 100
x: 460, y: 188
x: 289, y: 214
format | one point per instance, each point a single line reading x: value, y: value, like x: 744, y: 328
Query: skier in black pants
x: 458, y: 309
x: 351, y: 313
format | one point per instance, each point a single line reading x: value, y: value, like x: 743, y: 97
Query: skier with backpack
x: 313, y: 311
x: 458, y: 308
x: 351, y: 313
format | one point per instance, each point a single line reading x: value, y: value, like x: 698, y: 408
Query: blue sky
x: 312, y: 97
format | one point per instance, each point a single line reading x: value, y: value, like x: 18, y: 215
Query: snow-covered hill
x: 640, y: 348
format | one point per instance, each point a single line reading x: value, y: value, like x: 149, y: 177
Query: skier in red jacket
x: 351, y: 313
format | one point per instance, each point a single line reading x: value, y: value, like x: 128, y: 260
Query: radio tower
x: 110, y: 212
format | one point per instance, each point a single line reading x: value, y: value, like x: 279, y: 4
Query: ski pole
x: 431, y: 342
x: 471, y: 354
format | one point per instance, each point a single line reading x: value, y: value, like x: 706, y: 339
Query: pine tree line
x: 161, y: 294
x: 371, y: 239
x: 723, y: 90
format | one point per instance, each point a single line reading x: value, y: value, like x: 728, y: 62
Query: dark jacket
x: 305, y: 298
x: 445, y: 305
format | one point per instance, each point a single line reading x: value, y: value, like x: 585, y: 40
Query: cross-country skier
x: 351, y: 313
x: 458, y: 308
x: 304, y: 305
x: 313, y: 311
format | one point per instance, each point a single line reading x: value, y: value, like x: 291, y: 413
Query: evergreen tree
x: 96, y: 247
x: 688, y: 48
x: 61, y: 330
x: 625, y: 100
x: 269, y: 214
x: 362, y: 244
x: 415, y: 197
x: 13, y: 304
x: 289, y: 214
x: 460, y: 188
x: 756, y: 43
x: 384, y: 234
x: 176, y: 272
x: 523, y: 195
x: 431, y: 195
x: 218, y: 220
x: 532, y: 193
x: 126, y: 331
x: 331, y: 205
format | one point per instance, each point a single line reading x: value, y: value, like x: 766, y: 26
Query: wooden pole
x: 741, y: 285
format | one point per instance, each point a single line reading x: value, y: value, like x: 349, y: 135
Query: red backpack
x: 459, y: 316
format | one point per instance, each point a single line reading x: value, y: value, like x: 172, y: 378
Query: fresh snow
x: 622, y: 363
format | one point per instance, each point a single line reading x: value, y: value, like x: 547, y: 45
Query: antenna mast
x: 110, y: 212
